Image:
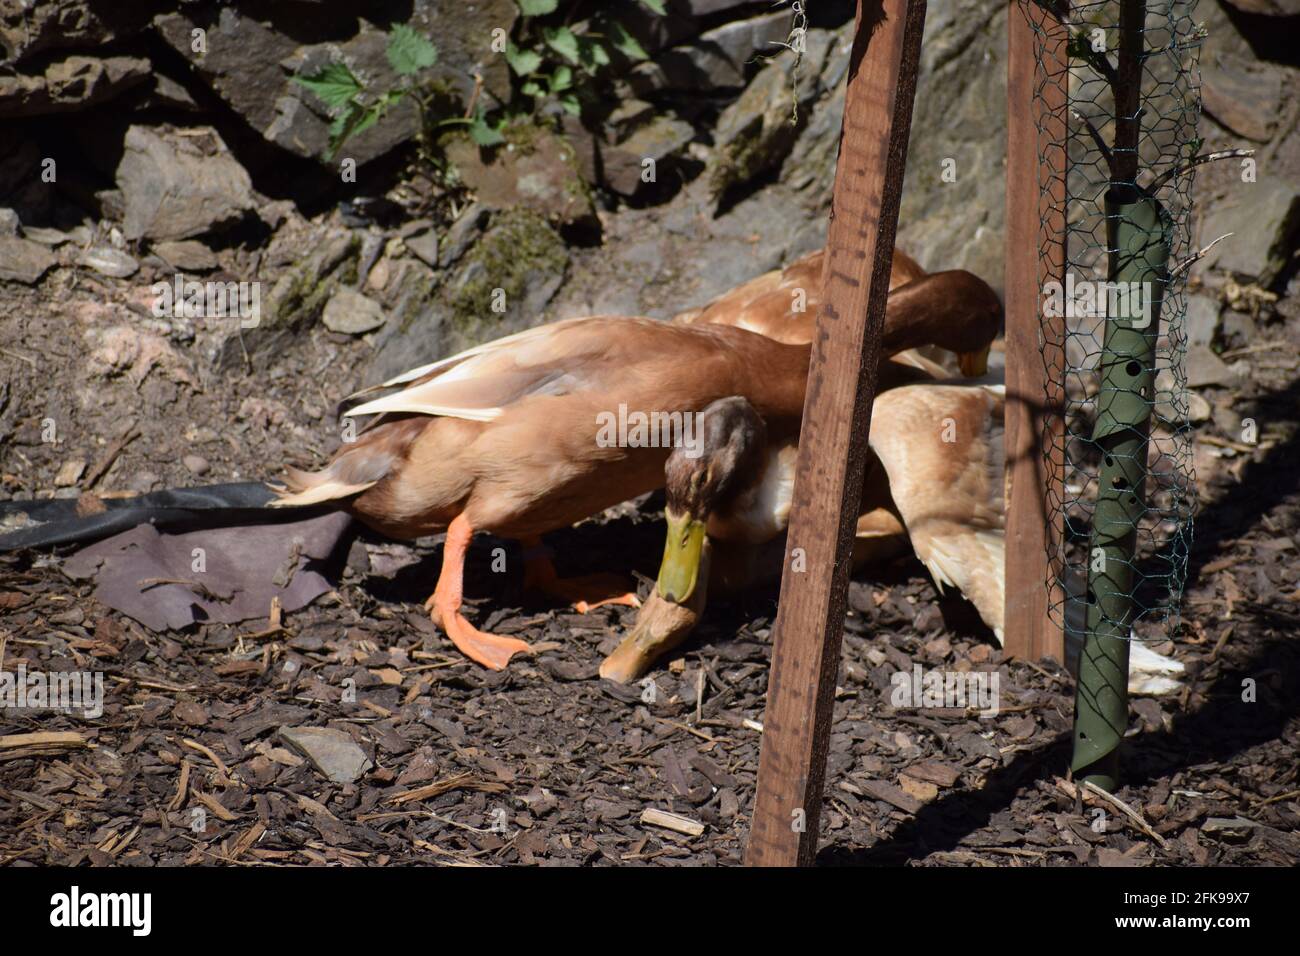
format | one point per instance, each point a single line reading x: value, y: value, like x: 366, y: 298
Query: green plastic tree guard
x: 1138, y: 232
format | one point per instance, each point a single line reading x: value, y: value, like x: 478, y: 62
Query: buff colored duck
x: 936, y: 477
x: 504, y: 437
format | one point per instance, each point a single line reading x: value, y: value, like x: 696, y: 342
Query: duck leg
x: 585, y: 592
x: 444, y: 605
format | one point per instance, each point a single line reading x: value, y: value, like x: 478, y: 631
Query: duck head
x: 700, y: 480
x: 955, y: 310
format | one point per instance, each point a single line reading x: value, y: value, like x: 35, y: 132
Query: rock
x: 71, y: 84
x: 70, y: 473
x: 715, y: 61
x: 352, y: 313
x: 1244, y: 96
x: 425, y: 247
x: 541, y: 175
x: 197, y: 464
x: 175, y: 187
x: 47, y: 237
x: 22, y: 260
x: 251, y: 61
x: 1202, y: 319
x: 108, y: 261
x: 1264, y: 218
x: 756, y: 132
x: 464, y: 232
x: 1268, y: 8
x: 188, y: 254
x: 659, y: 140
x: 30, y: 28
x: 330, y: 751
x: 1203, y: 367
x: 957, y: 225
x: 9, y: 223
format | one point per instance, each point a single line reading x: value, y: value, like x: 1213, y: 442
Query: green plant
x: 552, y: 59
x: 357, y: 105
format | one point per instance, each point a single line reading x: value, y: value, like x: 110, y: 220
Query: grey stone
x: 960, y: 115
x: 28, y: 28
x: 1268, y: 8
x: 71, y: 84
x: 186, y: 254
x: 464, y: 232
x: 46, y: 237
x: 715, y: 60
x: 1263, y: 218
x: 1202, y: 319
x: 22, y: 260
x: 173, y: 189
x: 9, y: 223
x: 425, y: 246
x: 108, y: 261
x: 1203, y: 367
x: 659, y: 140
x: 352, y: 313
x: 330, y: 751
x: 197, y: 464
x: 1244, y: 96
x: 757, y: 131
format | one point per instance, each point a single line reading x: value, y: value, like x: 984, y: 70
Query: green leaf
x: 563, y: 41
x: 408, y: 51
x: 655, y: 6
x: 537, y: 8
x: 532, y: 88
x: 561, y: 79
x: 335, y: 85
x: 592, y: 54
x: 484, y: 133
x: 523, y: 62
x: 571, y: 104
x: 625, y: 43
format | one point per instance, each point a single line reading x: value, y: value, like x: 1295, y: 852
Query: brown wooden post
x: 833, y: 443
x: 1035, y: 254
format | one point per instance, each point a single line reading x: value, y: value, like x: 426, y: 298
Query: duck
x: 783, y: 304
x: 506, y: 437
x: 934, y: 480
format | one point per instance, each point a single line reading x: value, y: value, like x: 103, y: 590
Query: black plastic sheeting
x: 174, y: 510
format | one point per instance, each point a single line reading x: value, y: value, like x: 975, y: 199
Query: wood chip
x: 671, y: 821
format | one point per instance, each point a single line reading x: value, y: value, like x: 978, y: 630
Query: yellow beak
x: 974, y: 364
x: 680, y: 570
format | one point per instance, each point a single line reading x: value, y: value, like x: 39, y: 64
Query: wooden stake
x: 833, y: 442
x: 1035, y: 254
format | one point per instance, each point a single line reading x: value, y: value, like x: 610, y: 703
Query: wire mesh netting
x: 1117, y: 86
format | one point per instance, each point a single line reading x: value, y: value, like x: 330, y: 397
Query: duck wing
x: 480, y: 383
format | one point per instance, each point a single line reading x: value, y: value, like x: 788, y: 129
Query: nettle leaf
x: 537, y: 8
x: 570, y: 104
x: 335, y: 85
x: 625, y: 43
x: 563, y: 41
x: 523, y: 62
x: 655, y: 6
x: 408, y: 51
x: 484, y: 133
x: 592, y: 54
x: 532, y: 88
x: 561, y: 79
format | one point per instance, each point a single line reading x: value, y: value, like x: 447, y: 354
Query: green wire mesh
x: 1149, y: 154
